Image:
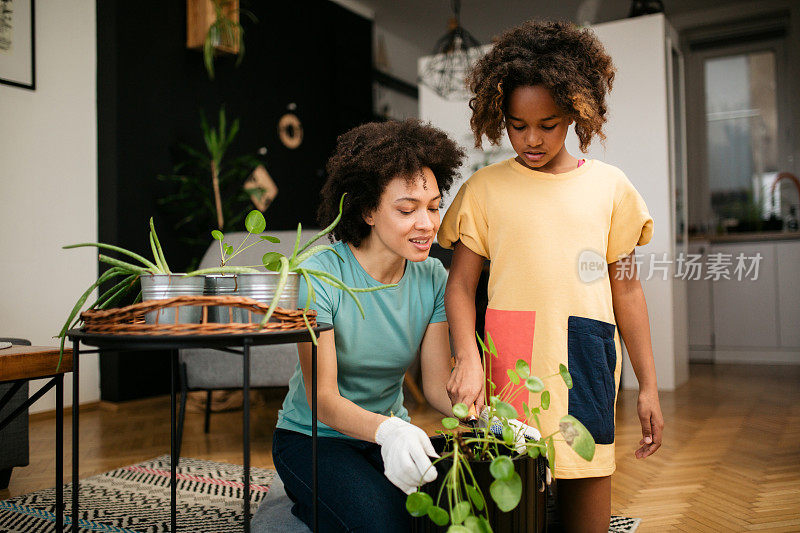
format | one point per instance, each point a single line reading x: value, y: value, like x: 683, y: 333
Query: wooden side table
x: 19, y: 364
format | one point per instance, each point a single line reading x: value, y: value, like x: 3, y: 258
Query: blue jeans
x: 354, y: 495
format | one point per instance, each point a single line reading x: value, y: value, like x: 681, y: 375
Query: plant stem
x: 217, y: 196
x: 150, y: 265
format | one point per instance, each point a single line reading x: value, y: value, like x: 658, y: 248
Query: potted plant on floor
x: 485, y: 472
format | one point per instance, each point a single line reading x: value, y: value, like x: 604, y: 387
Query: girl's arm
x: 435, y: 363
x: 332, y: 408
x: 466, y: 383
x: 630, y: 311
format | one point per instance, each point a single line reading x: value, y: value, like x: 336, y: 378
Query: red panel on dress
x: 512, y: 333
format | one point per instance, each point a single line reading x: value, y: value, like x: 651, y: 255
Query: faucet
x: 785, y: 176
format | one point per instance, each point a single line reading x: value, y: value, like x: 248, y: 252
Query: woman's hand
x: 405, y: 449
x: 652, y: 421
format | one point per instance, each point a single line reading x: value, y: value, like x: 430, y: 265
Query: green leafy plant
x: 225, y: 32
x: 498, y: 442
x: 277, y: 262
x: 119, y: 269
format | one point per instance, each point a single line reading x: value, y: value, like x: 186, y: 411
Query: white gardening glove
x: 521, y: 433
x: 405, y: 449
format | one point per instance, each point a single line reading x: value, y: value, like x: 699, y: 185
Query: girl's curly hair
x: 368, y: 157
x: 567, y: 60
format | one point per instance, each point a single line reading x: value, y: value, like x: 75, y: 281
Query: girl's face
x: 537, y: 129
x: 407, y: 216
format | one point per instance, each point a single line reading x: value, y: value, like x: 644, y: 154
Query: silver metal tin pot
x: 163, y: 286
x: 262, y: 287
x: 220, y: 285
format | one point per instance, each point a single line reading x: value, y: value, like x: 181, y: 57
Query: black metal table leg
x: 75, y: 431
x: 59, y: 452
x: 173, y: 444
x: 314, y: 434
x: 246, y: 428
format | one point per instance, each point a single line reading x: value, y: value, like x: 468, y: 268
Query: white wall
x: 48, y: 185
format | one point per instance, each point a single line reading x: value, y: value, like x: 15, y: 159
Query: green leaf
x: 523, y: 368
x: 228, y: 249
x: 477, y: 524
x: 513, y: 376
x: 270, y: 238
x: 534, y: 384
x: 418, y: 503
x: 255, y: 222
x: 217, y: 234
x: 535, y: 411
x: 459, y: 512
x: 577, y: 436
x: 490, y: 343
x: 480, y: 341
x: 476, y: 497
x: 506, y: 493
x: 533, y: 451
x: 546, y: 400
x: 526, y: 410
x: 562, y: 369
x: 450, y: 423
x: 456, y: 528
x: 502, y: 467
x: 272, y: 261
x: 460, y: 410
x: 438, y: 515
x: 505, y: 410
x: 508, y: 435
x: 551, y: 454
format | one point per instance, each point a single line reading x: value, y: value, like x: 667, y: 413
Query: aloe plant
x: 466, y: 501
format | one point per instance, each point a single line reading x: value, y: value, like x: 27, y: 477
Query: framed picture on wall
x: 17, y: 51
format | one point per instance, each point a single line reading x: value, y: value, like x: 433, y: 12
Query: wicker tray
x: 129, y: 320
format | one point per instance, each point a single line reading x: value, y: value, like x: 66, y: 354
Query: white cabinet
x: 789, y: 293
x: 701, y: 317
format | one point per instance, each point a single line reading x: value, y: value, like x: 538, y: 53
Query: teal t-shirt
x: 372, y: 353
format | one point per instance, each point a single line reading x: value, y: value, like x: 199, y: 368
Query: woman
x: 393, y: 174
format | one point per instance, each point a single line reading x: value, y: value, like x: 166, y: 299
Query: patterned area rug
x: 135, y: 499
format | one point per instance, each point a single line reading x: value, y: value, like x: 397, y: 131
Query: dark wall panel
x: 312, y: 53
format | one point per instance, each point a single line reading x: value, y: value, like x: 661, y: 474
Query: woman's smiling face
x: 407, y: 217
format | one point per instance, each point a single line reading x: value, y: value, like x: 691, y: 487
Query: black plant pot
x: 530, y: 516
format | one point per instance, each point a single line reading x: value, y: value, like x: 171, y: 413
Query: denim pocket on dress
x: 592, y: 358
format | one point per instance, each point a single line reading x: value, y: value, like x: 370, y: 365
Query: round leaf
x: 475, y: 524
x: 546, y: 400
x: 272, y: 261
x: 508, y: 435
x: 523, y: 369
x: 534, y: 384
x: 450, y: 423
x: 457, y: 529
x: 534, y: 451
x: 418, y: 503
x: 577, y: 436
x: 476, y: 497
x: 270, y: 238
x: 513, y: 376
x: 506, y: 493
x: 438, y: 515
x: 502, y: 467
x: 505, y: 410
x: 459, y: 512
x: 228, y: 249
x: 460, y: 410
x: 565, y: 375
x: 255, y: 223
x: 217, y: 235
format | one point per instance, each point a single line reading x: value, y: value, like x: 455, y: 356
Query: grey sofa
x: 14, y: 437
x: 209, y: 370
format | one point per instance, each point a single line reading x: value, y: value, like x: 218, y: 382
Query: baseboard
x: 51, y: 413
x: 757, y: 357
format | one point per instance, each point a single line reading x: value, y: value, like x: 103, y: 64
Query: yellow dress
x: 549, y: 238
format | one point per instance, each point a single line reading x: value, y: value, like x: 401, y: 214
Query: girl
x: 369, y: 454
x: 534, y: 216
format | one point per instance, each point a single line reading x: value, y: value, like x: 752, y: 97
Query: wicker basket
x: 129, y: 320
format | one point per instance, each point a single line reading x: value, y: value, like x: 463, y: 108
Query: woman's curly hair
x: 368, y: 157
x: 567, y: 60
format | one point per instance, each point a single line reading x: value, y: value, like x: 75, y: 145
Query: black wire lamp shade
x: 454, y: 54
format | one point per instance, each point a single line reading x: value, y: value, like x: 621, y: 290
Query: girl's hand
x: 652, y: 422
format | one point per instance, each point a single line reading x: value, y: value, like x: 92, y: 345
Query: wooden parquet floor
x: 730, y: 461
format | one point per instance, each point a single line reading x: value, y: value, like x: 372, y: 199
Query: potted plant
x: 215, y: 32
x: 484, y: 472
